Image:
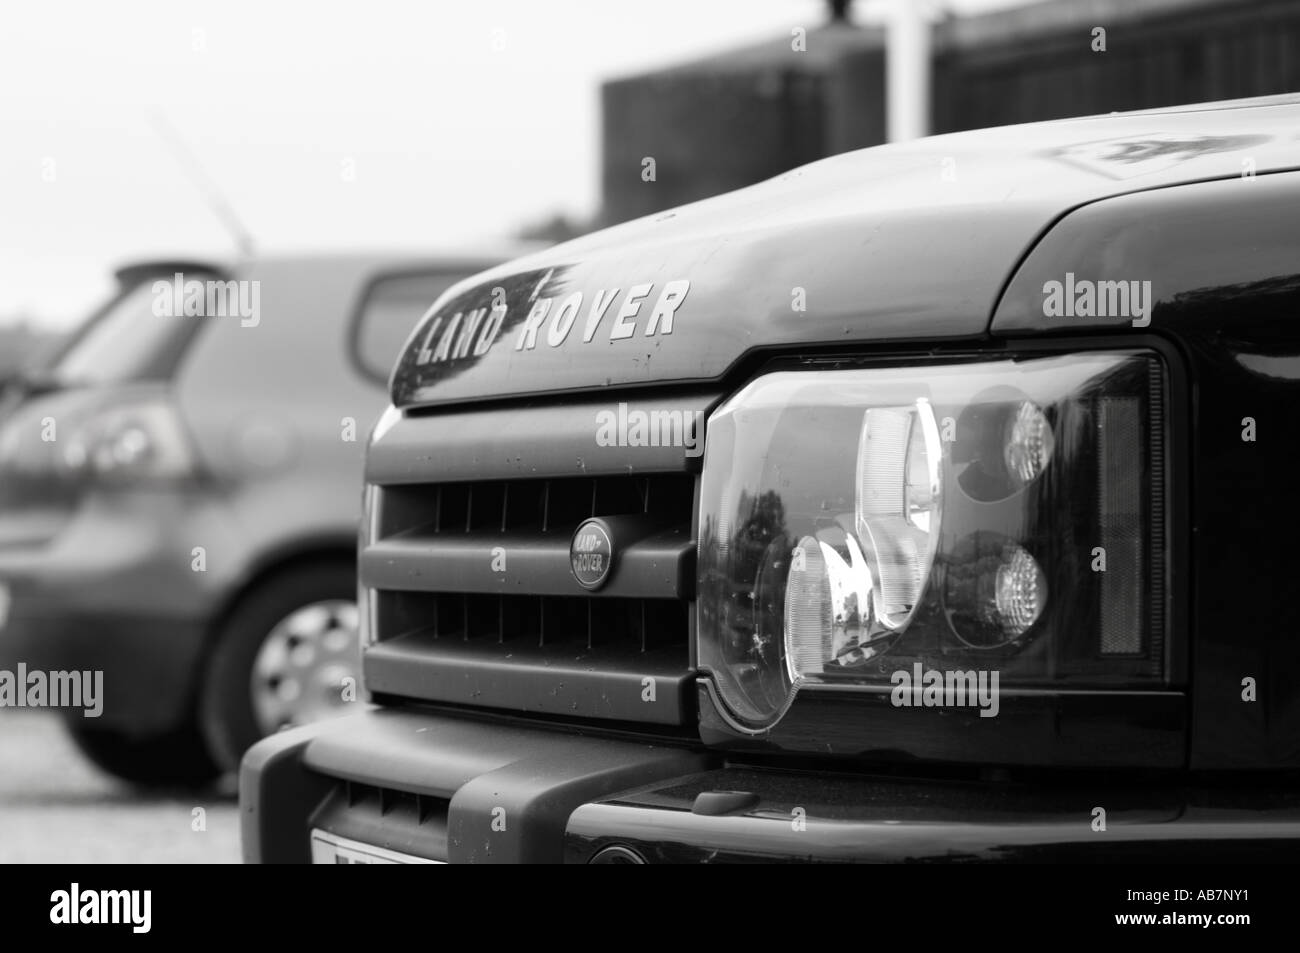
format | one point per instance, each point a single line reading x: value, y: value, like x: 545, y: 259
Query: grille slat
x: 661, y: 566
x: 542, y: 679
x: 511, y: 443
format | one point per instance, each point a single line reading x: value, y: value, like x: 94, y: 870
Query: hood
x: 909, y: 242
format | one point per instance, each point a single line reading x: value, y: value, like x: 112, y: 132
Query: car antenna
x: 201, y: 180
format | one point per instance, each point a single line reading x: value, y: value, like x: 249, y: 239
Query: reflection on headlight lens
x: 897, y: 505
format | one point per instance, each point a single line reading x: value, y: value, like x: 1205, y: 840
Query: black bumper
x: 470, y: 791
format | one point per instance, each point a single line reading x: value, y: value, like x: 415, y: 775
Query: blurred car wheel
x: 179, y: 757
x: 286, y: 655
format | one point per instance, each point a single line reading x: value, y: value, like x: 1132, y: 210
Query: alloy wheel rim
x: 302, y: 669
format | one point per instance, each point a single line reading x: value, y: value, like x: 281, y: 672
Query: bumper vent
x: 384, y: 817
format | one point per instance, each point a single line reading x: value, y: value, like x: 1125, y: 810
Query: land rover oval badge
x: 591, y: 554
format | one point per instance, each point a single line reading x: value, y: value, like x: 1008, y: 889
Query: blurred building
x: 748, y: 114
x: 740, y: 117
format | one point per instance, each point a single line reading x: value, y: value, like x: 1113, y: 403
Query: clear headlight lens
x: 854, y: 522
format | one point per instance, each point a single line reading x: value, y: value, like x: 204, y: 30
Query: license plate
x: 329, y: 848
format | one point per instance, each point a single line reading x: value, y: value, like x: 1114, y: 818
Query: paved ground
x: 55, y: 807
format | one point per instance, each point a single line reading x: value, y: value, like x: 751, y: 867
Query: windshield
x: 124, y: 342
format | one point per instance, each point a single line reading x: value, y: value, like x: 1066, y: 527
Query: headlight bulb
x: 1003, y: 443
x: 1019, y: 591
x: 996, y: 591
x: 1028, y: 443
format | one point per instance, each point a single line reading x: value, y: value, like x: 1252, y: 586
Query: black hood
x: 903, y: 242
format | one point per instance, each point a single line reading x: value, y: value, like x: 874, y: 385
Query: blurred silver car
x: 179, y: 495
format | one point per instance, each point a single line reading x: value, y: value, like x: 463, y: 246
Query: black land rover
x: 924, y: 503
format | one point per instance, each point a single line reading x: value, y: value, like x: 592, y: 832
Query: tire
x: 176, y: 759
x: 233, y: 712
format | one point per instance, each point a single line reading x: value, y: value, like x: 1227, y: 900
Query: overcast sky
x: 370, y: 124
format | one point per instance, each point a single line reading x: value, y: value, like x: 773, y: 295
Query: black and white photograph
x: 699, y: 432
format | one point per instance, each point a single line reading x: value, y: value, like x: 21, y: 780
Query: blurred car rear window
x: 125, y: 342
x: 392, y: 306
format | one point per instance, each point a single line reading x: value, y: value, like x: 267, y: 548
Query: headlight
x: 993, y: 515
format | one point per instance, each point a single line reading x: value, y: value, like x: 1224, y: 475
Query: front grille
x: 472, y: 601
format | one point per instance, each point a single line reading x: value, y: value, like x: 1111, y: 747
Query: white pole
x: 907, y: 71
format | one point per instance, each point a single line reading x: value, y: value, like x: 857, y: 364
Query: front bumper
x: 466, y: 790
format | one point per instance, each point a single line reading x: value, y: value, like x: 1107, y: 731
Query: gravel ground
x: 56, y: 807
